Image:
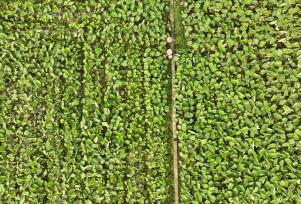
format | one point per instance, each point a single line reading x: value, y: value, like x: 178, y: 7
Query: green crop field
x: 86, y: 101
x: 238, y: 104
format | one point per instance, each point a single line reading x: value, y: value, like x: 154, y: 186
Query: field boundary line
x: 173, y: 108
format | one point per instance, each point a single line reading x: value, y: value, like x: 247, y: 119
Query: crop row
x: 238, y: 101
x: 83, y: 115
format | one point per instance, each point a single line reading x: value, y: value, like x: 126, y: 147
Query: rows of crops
x: 84, y: 91
x: 238, y: 101
x: 84, y: 108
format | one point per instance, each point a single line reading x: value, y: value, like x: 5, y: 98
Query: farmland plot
x: 84, y: 108
x: 84, y: 91
x: 238, y: 101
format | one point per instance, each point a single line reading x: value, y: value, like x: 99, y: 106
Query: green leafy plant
x: 83, y: 90
x: 237, y: 102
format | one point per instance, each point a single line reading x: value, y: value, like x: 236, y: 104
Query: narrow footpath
x: 173, y: 108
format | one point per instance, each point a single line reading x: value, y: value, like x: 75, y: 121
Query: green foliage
x: 84, y: 101
x: 238, y: 102
x: 83, y: 110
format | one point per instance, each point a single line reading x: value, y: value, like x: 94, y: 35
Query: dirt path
x: 173, y: 109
